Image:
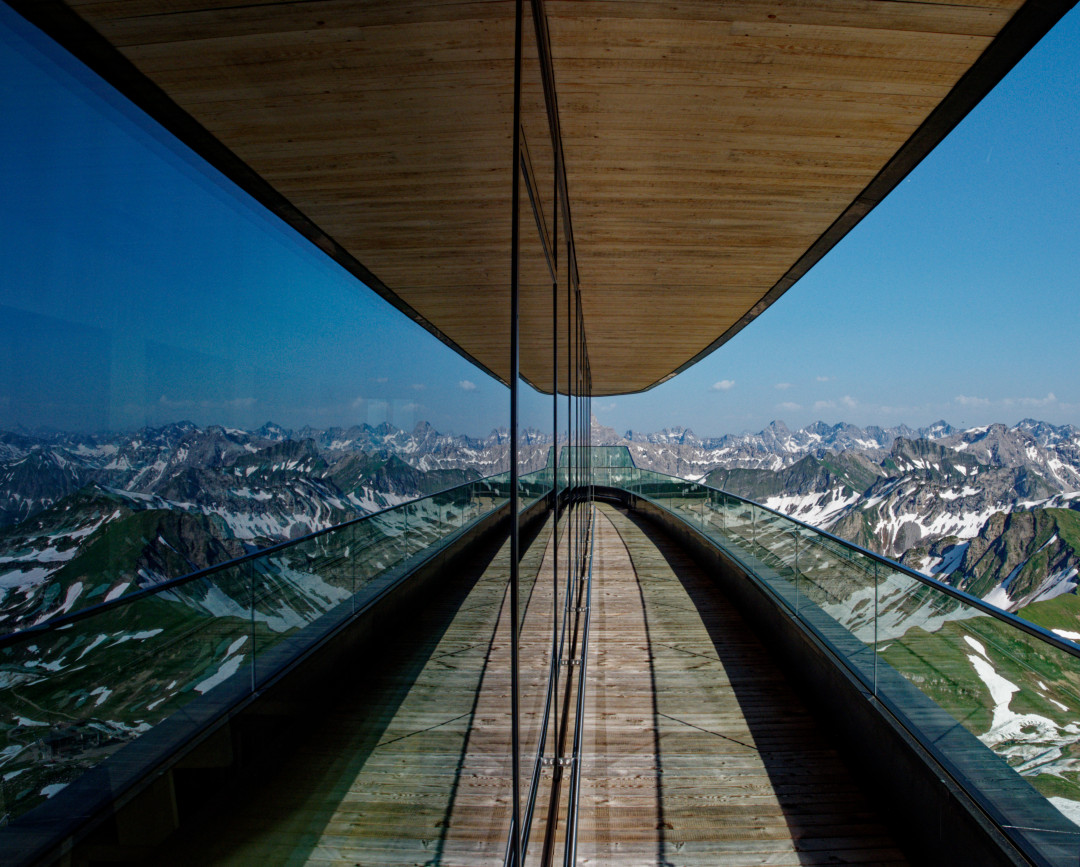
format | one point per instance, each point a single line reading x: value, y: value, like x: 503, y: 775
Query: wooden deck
x: 696, y: 751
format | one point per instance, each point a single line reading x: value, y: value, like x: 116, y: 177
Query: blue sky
x: 120, y: 308
x: 957, y: 298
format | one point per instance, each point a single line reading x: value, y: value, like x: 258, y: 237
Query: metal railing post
x: 795, y: 535
x: 251, y: 586
x: 877, y: 617
x: 515, y: 240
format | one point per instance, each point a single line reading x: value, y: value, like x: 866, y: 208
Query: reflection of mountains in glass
x: 72, y: 694
x: 88, y: 518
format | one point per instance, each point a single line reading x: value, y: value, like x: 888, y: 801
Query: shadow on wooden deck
x: 816, y: 805
x: 298, y: 810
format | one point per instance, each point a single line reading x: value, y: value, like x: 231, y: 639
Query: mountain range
x: 988, y: 509
x: 86, y: 517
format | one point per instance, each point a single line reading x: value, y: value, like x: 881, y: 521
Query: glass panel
x: 612, y: 466
x: 118, y: 327
x: 192, y: 423
x: 78, y: 692
x: 1017, y: 693
x: 537, y: 269
x: 837, y: 587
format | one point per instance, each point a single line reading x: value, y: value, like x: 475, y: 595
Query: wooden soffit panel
x: 714, y: 150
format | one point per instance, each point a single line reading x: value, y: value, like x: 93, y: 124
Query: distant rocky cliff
x: 987, y: 508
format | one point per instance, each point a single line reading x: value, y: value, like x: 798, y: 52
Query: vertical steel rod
x: 515, y: 541
x: 555, y: 453
x: 570, y: 854
x: 254, y: 673
x: 795, y: 535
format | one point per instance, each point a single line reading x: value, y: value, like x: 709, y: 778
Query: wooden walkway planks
x: 411, y: 764
x: 696, y: 750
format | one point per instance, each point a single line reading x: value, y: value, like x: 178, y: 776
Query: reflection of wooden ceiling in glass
x: 714, y: 150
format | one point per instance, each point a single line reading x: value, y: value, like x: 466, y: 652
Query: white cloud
x: 789, y: 406
x: 235, y: 403
x: 418, y: 386
x: 824, y: 378
x: 824, y: 404
x: 411, y: 406
x: 607, y: 407
x: 782, y: 386
x: 1050, y: 398
x: 465, y: 385
x: 723, y: 385
x: 359, y: 402
x: 381, y: 379
x: 848, y: 401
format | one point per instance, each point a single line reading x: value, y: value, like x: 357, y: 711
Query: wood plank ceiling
x: 714, y: 150
x: 709, y: 145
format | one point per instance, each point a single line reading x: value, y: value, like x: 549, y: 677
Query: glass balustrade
x: 1008, y: 683
x: 1011, y: 684
x: 79, y: 687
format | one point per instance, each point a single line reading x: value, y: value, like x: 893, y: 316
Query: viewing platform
x: 699, y: 680
x: 529, y: 649
x: 696, y: 749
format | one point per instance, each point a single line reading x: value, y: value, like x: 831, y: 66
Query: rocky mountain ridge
x: 37, y: 469
x: 87, y: 517
x: 925, y: 496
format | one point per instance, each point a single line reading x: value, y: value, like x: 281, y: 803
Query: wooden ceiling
x: 714, y: 150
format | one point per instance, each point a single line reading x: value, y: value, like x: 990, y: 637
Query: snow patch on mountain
x: 820, y: 508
